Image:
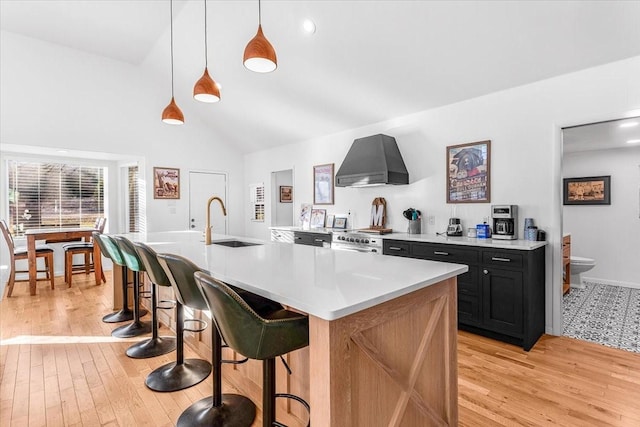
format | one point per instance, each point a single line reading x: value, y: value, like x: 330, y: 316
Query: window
x: 256, y: 192
x: 48, y: 194
x: 133, y: 202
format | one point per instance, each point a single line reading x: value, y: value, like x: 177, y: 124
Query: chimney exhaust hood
x: 372, y: 160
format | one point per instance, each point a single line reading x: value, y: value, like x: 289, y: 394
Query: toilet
x: 580, y: 265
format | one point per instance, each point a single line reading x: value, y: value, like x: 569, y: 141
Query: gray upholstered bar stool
x: 182, y: 373
x: 260, y: 336
x: 112, y: 252
x: 136, y: 327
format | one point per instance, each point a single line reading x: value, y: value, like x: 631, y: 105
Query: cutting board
x: 376, y: 230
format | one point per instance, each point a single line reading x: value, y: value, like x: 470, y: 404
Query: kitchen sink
x: 235, y: 243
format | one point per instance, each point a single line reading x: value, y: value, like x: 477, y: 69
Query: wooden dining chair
x: 82, y: 248
x: 18, y: 253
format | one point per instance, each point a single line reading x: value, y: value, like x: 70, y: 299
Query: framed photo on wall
x: 590, y: 190
x: 166, y: 183
x: 469, y: 173
x: 323, y: 184
x: 286, y: 194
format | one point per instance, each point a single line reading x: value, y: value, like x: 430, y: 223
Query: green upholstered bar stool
x: 156, y: 345
x: 182, y: 373
x: 136, y: 327
x: 261, y: 336
x: 112, y: 252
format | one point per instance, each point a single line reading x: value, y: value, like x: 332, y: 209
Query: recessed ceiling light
x: 633, y: 141
x: 62, y: 151
x: 309, y: 26
x: 628, y: 124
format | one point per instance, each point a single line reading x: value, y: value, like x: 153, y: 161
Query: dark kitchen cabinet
x: 311, y: 239
x: 502, y: 294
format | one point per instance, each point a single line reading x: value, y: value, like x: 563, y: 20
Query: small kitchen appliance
x: 454, y: 228
x: 505, y: 220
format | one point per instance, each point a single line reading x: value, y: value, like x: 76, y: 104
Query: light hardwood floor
x: 60, y: 366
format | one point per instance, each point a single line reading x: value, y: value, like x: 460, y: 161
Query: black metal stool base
x: 133, y: 329
x: 173, y: 377
x: 118, y: 316
x: 235, y: 411
x: 152, y: 347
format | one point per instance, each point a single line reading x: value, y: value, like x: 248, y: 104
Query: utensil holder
x: 415, y: 226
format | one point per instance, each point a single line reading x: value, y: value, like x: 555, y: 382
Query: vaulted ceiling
x: 367, y: 61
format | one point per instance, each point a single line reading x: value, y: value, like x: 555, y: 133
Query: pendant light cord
x: 206, y: 63
x: 171, y: 27
x: 259, y: 14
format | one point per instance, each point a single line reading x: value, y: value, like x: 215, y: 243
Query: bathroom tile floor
x: 604, y: 314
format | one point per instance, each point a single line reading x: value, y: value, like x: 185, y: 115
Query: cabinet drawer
x: 390, y: 247
x: 446, y: 253
x: 502, y: 259
x: 311, y: 239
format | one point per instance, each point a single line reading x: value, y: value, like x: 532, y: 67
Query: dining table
x: 59, y: 234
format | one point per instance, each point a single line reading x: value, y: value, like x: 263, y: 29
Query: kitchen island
x: 382, y: 330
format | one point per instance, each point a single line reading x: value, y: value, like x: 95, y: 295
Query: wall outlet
x: 485, y: 219
x: 432, y: 220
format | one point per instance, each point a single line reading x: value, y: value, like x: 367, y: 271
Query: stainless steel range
x: 358, y: 242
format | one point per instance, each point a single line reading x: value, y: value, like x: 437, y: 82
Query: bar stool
x: 136, y: 327
x: 182, y: 373
x: 156, y: 345
x: 112, y: 252
x: 84, y: 248
x: 260, y: 336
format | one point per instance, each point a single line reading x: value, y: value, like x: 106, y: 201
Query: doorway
x: 203, y: 185
x: 282, y: 196
x: 603, y: 225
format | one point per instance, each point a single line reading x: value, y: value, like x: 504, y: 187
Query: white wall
x: 55, y: 97
x: 523, y: 125
x: 607, y: 233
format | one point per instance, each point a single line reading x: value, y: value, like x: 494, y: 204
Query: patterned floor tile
x: 604, y: 314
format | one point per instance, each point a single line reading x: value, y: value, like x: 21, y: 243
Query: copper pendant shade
x: 259, y: 55
x: 172, y: 114
x: 206, y: 89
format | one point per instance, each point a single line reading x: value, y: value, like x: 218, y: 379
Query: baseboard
x: 612, y: 282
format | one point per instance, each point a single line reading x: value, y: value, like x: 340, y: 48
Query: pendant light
x: 172, y: 114
x: 259, y: 55
x: 206, y: 89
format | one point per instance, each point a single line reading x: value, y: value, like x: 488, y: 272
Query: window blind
x: 48, y: 194
x: 133, y: 211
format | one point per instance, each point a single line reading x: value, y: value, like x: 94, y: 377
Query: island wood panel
x: 394, y: 364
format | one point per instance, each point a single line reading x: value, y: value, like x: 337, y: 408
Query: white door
x: 203, y: 185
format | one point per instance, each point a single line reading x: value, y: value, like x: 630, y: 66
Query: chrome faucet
x: 207, y: 229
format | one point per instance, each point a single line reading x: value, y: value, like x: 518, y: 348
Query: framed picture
x: 330, y: 219
x: 286, y: 194
x: 468, y: 173
x: 590, y: 190
x: 305, y: 215
x: 323, y: 184
x: 340, y: 222
x: 166, y: 183
x: 318, y: 217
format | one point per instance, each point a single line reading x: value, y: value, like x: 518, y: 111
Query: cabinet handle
x: 298, y: 238
x: 485, y: 271
x: 318, y: 240
x: 495, y: 258
x: 441, y: 253
x: 395, y: 248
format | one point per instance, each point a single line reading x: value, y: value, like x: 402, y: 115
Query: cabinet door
x: 502, y: 301
x: 468, y: 310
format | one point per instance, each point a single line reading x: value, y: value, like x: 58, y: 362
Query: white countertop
x: 306, y: 230
x: 322, y: 282
x: 526, y: 245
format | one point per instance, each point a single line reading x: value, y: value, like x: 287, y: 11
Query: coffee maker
x: 505, y: 222
x: 454, y: 228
